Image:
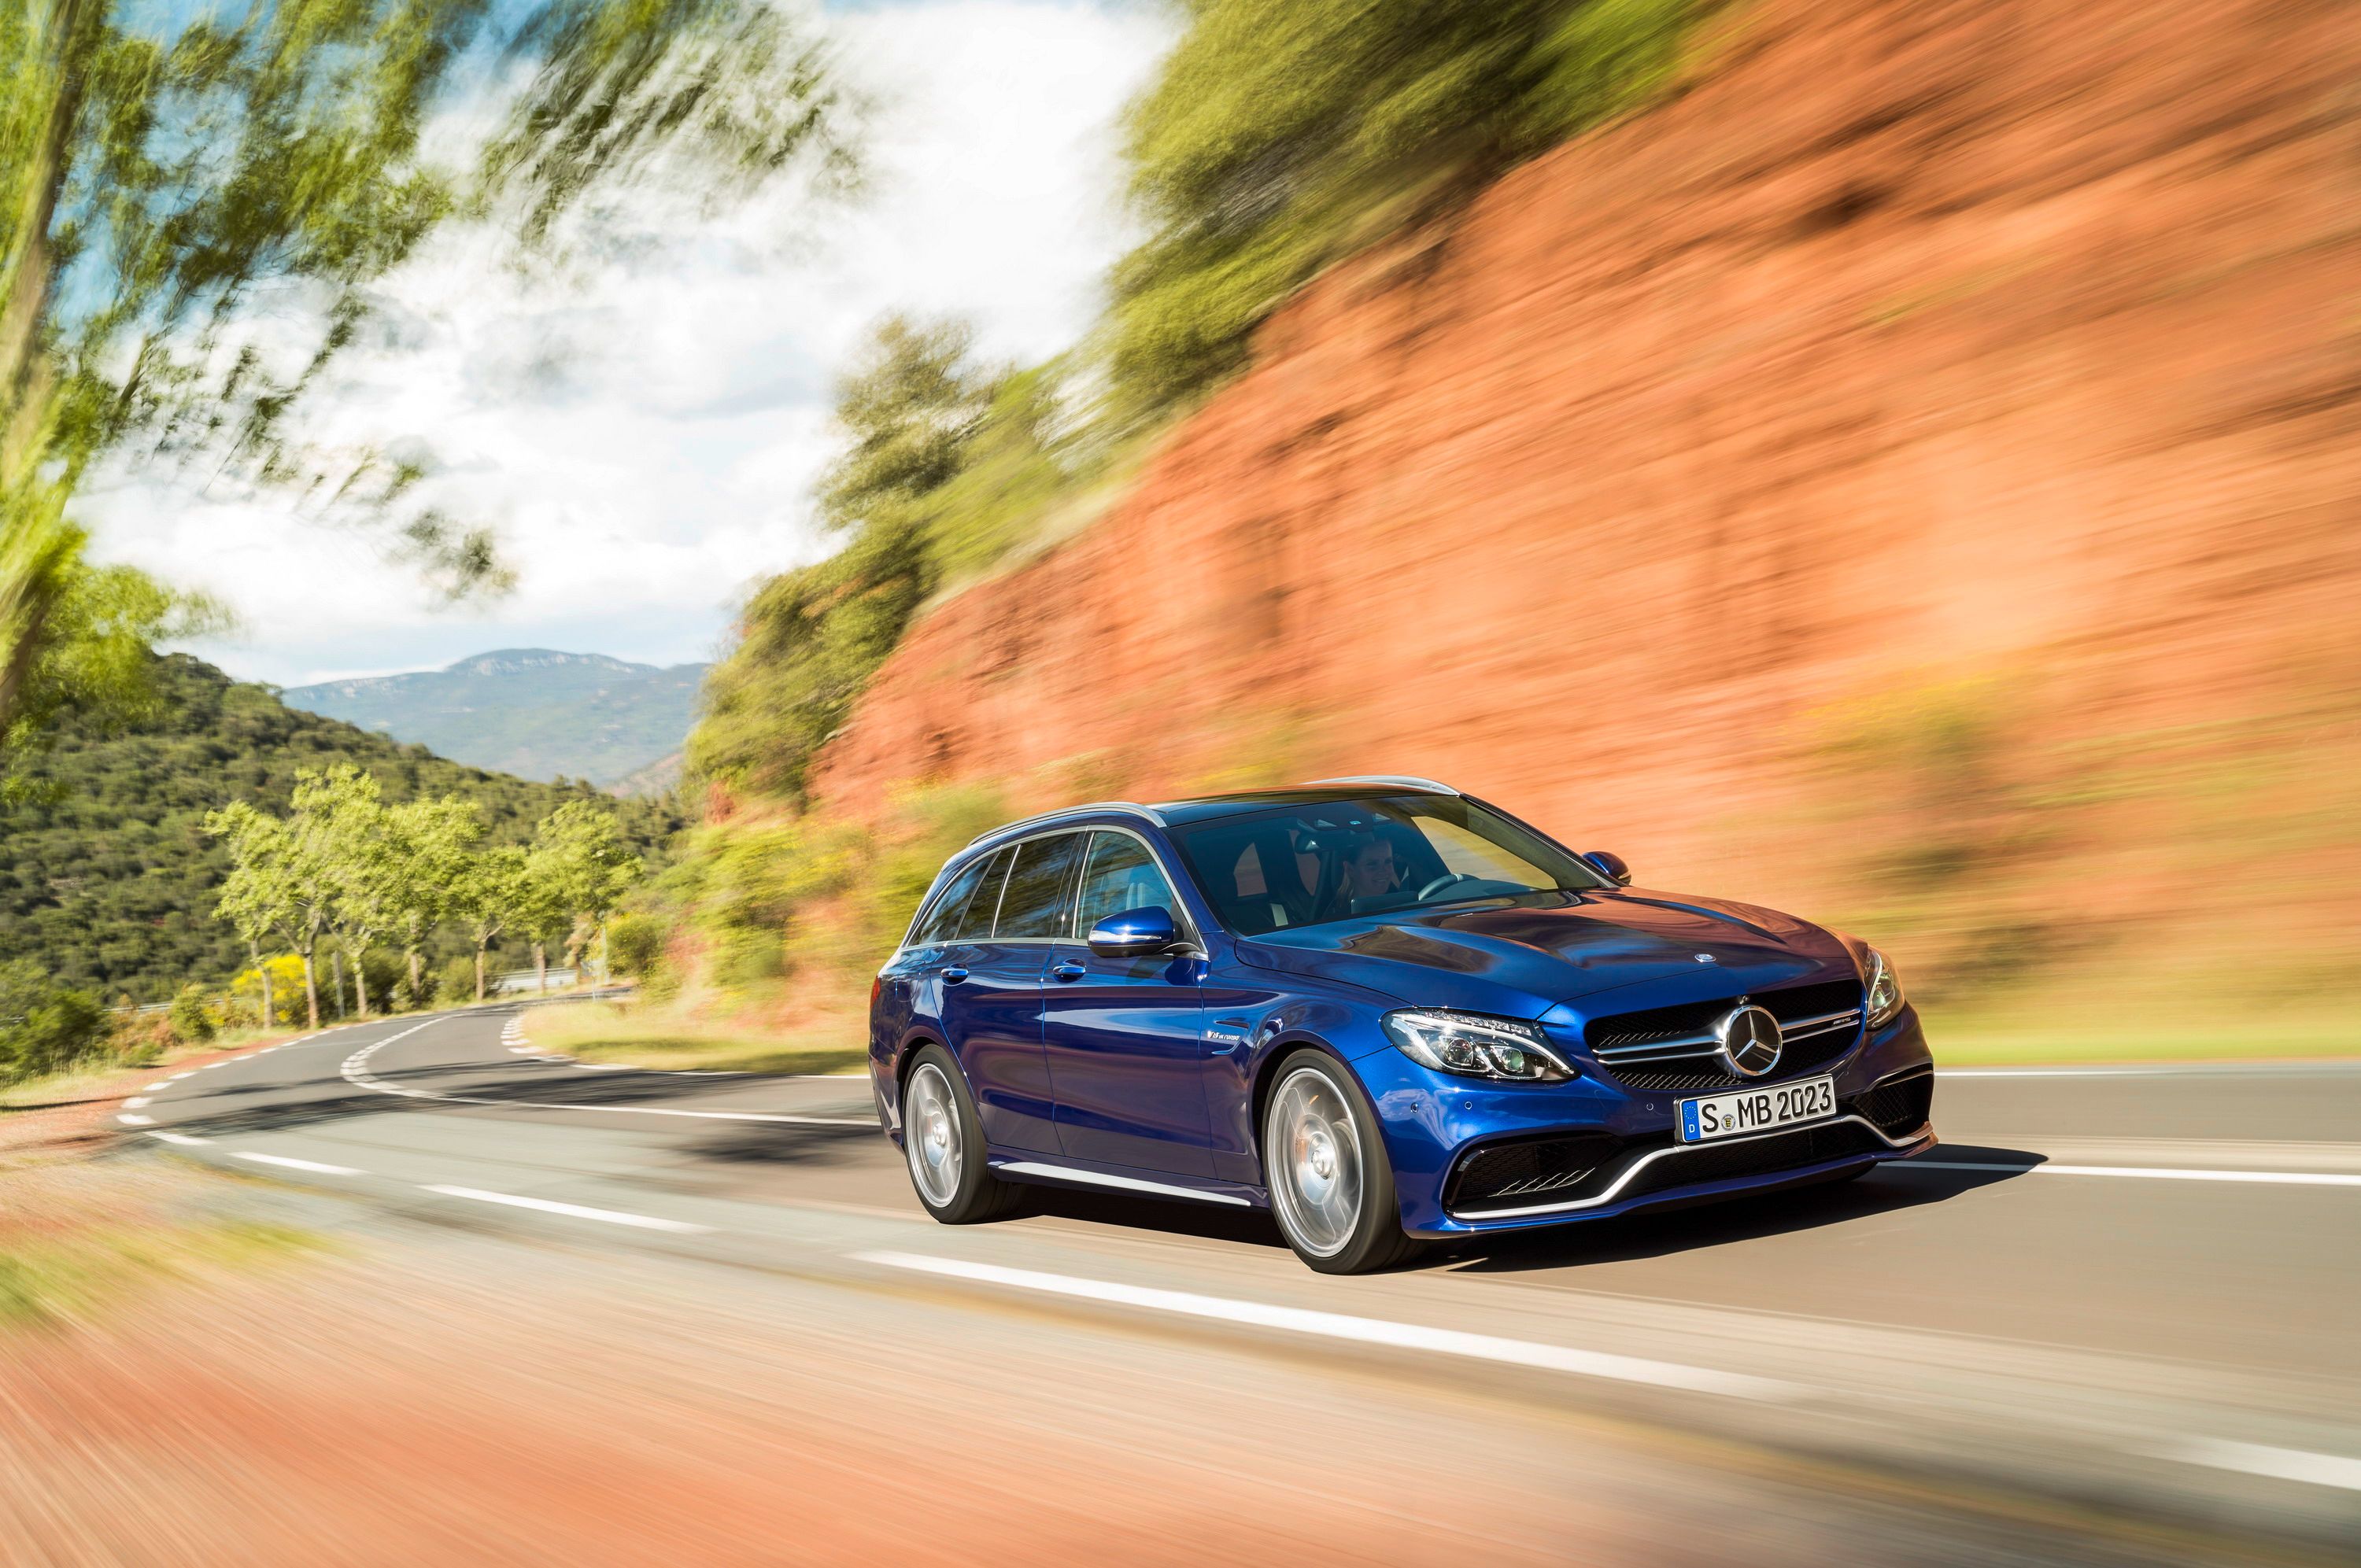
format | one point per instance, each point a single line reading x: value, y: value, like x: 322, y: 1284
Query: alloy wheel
x: 1316, y: 1176
x: 930, y: 1135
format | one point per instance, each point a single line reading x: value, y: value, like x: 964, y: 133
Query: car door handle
x: 953, y: 975
x: 1068, y: 970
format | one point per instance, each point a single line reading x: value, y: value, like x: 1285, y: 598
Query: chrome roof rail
x: 1402, y: 779
x: 1133, y: 807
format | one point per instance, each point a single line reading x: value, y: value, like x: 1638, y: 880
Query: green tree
x: 1280, y: 134
x: 163, y: 169
x: 365, y: 861
x: 430, y: 843
x: 917, y: 414
x: 582, y: 868
x: 254, y: 898
x: 495, y: 894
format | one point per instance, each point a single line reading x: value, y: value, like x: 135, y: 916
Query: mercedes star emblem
x: 1749, y: 1041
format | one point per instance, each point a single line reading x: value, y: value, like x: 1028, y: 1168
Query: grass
x: 69, y: 1271
x: 636, y: 1035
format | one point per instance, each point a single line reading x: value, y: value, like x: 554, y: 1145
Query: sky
x: 643, y: 438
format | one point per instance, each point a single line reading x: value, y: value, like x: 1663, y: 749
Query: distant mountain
x: 107, y: 879
x: 534, y: 712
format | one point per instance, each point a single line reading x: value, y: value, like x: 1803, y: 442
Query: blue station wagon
x: 1381, y: 1009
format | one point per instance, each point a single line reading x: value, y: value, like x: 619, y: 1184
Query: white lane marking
x: 600, y: 1065
x: 176, y: 1139
x: 131, y: 1120
x: 1363, y: 1330
x: 2159, y: 1069
x: 293, y: 1163
x: 2254, y: 1458
x: 576, y: 1211
x: 134, y: 1103
x: 356, y: 1070
x: 2154, y: 1172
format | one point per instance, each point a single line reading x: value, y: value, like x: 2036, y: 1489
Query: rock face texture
x: 1977, y: 381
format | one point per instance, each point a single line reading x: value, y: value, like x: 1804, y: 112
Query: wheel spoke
x: 930, y: 1134
x: 1315, y: 1157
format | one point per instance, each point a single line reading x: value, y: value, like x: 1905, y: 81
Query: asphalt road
x: 2110, y: 1318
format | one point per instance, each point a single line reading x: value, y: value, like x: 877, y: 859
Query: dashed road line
x: 1362, y: 1331
x: 2256, y: 1459
x: 293, y: 1163
x: 177, y: 1138
x: 2152, y: 1172
x: 128, y: 1120
x: 573, y: 1210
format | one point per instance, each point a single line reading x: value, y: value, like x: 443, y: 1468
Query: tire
x: 942, y: 1145
x: 1332, y: 1187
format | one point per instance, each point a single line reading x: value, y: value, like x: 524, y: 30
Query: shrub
x: 454, y: 983
x: 191, y: 1015
x: 635, y: 943
x: 45, y: 1027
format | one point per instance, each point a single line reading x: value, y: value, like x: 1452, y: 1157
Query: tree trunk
x: 336, y: 964
x: 416, y: 999
x: 360, y: 988
x: 270, y: 1013
x: 541, y: 961
x: 41, y: 181
x: 310, y: 990
x: 480, y: 942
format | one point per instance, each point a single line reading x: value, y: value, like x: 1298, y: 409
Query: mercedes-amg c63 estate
x: 1385, y: 1011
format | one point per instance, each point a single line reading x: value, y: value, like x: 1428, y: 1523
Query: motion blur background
x: 1893, y: 462
x: 1896, y: 461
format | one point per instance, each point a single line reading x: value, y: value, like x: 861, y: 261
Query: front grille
x: 1831, y: 1011
x: 1565, y: 1168
x: 1756, y: 1156
x: 1520, y: 1171
x: 1900, y: 1104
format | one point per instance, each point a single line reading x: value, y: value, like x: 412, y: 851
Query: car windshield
x: 1312, y: 863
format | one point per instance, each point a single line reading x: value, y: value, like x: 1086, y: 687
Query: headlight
x: 1884, y: 988
x: 1475, y: 1046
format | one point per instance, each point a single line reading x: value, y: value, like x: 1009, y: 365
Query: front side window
x: 1311, y: 864
x: 1121, y: 874
x: 1040, y: 889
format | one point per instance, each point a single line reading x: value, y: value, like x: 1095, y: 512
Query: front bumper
x: 1593, y: 1149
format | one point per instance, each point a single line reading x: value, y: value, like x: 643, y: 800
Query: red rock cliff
x: 1910, y: 341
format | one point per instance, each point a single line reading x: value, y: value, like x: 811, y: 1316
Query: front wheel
x: 1332, y: 1187
x: 942, y: 1139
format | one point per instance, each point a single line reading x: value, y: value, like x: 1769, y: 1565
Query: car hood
x: 1520, y: 958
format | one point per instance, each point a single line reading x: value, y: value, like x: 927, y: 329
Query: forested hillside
x: 106, y: 877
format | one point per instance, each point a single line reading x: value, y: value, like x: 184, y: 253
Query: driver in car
x: 1369, y: 871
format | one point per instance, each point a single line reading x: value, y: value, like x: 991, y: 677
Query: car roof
x: 1205, y: 807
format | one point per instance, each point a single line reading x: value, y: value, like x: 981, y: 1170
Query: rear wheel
x: 942, y: 1140
x: 1332, y: 1187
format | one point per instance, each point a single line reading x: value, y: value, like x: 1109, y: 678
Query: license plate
x: 1757, y: 1110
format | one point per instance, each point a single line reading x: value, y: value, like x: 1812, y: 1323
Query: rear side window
x: 1122, y: 875
x: 1041, y: 889
x: 975, y: 926
x: 942, y: 921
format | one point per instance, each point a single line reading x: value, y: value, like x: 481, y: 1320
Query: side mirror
x: 1135, y: 934
x: 1611, y: 863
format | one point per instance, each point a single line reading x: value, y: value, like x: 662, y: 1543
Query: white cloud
x: 644, y: 439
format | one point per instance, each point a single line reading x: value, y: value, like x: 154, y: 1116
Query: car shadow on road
x: 1659, y: 1232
